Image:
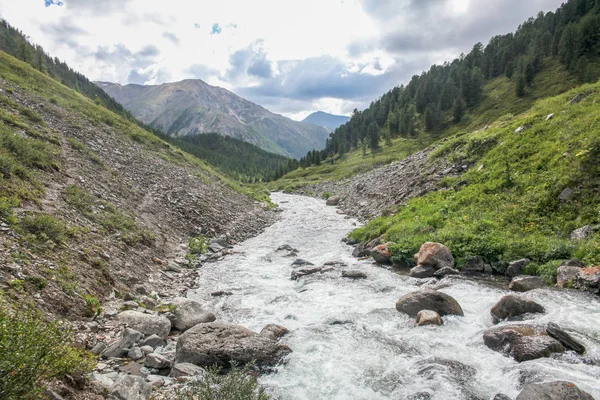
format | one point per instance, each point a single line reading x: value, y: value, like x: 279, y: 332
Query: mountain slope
x: 193, y: 107
x: 91, y: 203
x: 329, y: 121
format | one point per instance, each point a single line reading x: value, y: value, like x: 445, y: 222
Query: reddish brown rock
x: 434, y: 255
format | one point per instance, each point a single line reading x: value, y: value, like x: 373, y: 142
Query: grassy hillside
x: 510, y: 205
x: 499, y: 99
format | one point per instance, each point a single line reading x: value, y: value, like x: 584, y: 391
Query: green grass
x: 510, y: 208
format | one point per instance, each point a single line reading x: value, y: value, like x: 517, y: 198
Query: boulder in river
x: 564, y: 338
x: 274, y: 332
x: 428, y: 317
x: 474, y: 265
x: 440, y: 273
x: 333, y: 201
x: 588, y: 279
x: 567, y: 273
x: 381, y: 254
x: 512, y: 306
x: 189, y: 313
x: 304, y: 272
x: 354, y: 274
x: 148, y: 324
x: 219, y: 343
x: 426, y: 299
x: 420, y: 272
x: 434, y: 255
x: 299, y: 262
x: 560, y: 390
x: 524, y: 283
x: 521, y: 342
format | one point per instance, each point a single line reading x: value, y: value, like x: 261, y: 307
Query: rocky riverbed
x: 323, y: 324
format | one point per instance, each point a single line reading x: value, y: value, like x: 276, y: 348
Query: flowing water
x: 348, y: 340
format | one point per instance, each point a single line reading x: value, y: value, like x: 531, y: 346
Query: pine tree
x: 458, y: 110
x: 520, y: 86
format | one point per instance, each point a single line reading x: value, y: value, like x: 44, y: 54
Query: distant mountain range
x: 329, y: 121
x: 192, y: 107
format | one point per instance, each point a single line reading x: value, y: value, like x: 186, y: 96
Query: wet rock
x: 560, y: 390
x: 420, y: 272
x: 304, y: 272
x: 525, y: 283
x: 274, y: 332
x: 517, y: 267
x: 220, y: 293
x: 354, y: 274
x: 154, y: 341
x: 582, y: 233
x: 521, y: 342
x: 147, y: 324
x: 189, y: 313
x: 333, y: 201
x: 434, y: 255
x: 286, y: 247
x: 588, y: 279
x: 119, y: 348
x: 512, y: 306
x: 564, y: 338
x: 129, y: 387
x: 501, y: 396
x: 300, y: 262
x: 440, y: 273
x: 567, y: 273
x: 186, y: 370
x: 426, y: 299
x: 419, y: 396
x: 361, y: 250
x: 428, y: 317
x: 381, y: 254
x: 474, y: 264
x: 218, y: 343
x: 157, y: 361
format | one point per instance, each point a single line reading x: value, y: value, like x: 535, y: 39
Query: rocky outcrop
x: 219, y: 344
x: 560, y: 390
x: 382, y: 254
x: 567, y: 273
x: 428, y: 317
x: 526, y: 283
x: 511, y: 306
x: 189, y: 313
x: 588, y: 279
x: 521, y: 342
x: 426, y: 299
x: 148, y: 324
x: 274, y: 332
x: 430, y: 258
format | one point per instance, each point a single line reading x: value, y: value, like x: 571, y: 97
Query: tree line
x: 440, y: 97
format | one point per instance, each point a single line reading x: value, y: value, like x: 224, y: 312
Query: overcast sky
x: 290, y: 56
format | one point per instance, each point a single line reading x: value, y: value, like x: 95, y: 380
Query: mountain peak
x: 326, y: 120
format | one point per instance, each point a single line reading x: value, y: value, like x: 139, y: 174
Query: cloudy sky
x: 292, y: 57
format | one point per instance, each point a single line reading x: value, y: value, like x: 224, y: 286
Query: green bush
x: 79, y: 198
x: 35, y: 350
x: 36, y: 281
x: 44, y: 227
x: 93, y: 306
x: 198, y: 245
x: 237, y: 384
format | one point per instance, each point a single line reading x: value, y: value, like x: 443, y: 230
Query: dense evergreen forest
x: 436, y: 99
x: 238, y: 159
x: 233, y: 157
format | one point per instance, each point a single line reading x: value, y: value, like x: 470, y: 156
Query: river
x: 348, y: 340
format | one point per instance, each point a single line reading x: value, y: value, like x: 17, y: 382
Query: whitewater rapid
x: 348, y: 340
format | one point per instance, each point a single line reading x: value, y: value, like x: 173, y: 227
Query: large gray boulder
x: 512, y: 306
x: 189, y: 313
x: 526, y: 283
x: 560, y: 390
x: 564, y: 338
x: 148, y: 324
x: 588, y: 279
x: 420, y: 272
x: 434, y: 255
x: 428, y: 317
x: 274, y: 332
x: 521, y: 342
x: 517, y: 267
x: 218, y: 343
x: 130, y: 387
x: 427, y: 299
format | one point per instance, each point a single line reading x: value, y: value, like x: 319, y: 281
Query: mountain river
x: 348, y: 340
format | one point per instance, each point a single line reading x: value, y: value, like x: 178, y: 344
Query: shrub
x: 327, y: 195
x: 44, y: 227
x: 93, y: 306
x: 237, y: 384
x: 34, y: 350
x: 198, y: 245
x: 36, y: 281
x: 79, y: 198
